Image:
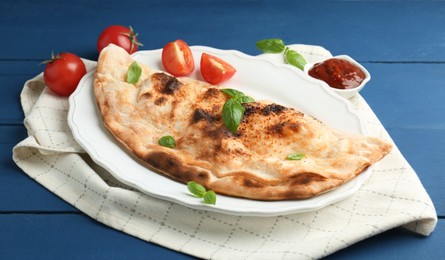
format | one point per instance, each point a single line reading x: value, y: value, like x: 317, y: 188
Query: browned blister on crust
x: 250, y: 163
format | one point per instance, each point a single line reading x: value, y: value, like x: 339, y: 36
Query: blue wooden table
x: 401, y: 43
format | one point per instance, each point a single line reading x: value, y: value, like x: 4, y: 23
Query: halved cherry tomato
x: 177, y: 58
x: 214, y: 70
x: 63, y: 72
x: 119, y: 35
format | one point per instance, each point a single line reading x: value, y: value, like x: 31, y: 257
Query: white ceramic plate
x: 257, y: 77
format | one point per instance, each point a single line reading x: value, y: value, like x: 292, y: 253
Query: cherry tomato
x: 119, y: 35
x: 177, y: 58
x: 63, y: 73
x: 214, y: 70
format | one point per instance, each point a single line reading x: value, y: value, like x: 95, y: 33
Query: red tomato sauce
x: 338, y: 73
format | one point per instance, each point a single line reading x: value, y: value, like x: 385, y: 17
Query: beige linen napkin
x: 392, y: 197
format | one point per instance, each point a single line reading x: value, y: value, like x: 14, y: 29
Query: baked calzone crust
x: 250, y: 163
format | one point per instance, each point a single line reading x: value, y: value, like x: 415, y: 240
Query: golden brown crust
x: 250, y: 163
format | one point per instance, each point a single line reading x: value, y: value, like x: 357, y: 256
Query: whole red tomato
x: 119, y: 35
x: 63, y: 73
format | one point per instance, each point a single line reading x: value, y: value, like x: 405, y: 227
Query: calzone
x: 251, y: 162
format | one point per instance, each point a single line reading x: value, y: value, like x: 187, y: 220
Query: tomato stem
x: 53, y: 58
x: 132, y: 37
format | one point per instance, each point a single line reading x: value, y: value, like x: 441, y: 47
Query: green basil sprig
x: 210, y: 197
x: 271, y: 45
x: 275, y: 45
x: 294, y: 58
x: 167, y: 141
x: 232, y: 114
x: 134, y: 73
x: 295, y: 156
x: 199, y: 191
x: 233, y: 111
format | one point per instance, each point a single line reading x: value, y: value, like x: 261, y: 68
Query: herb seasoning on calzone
x: 275, y: 153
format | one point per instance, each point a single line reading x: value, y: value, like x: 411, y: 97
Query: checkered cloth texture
x: 392, y: 197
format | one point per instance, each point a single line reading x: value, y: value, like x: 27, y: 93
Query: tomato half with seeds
x: 63, y: 73
x: 177, y: 58
x: 215, y: 70
x: 119, y: 35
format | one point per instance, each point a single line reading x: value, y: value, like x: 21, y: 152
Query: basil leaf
x: 167, y: 141
x: 295, y: 156
x: 134, y: 73
x: 271, y: 45
x: 232, y: 92
x: 210, y: 197
x: 200, y: 191
x: 238, y: 95
x: 294, y: 58
x: 196, y: 189
x: 245, y: 99
x: 232, y: 114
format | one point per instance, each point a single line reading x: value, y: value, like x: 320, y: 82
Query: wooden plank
x: 407, y: 95
x: 67, y: 235
x: 18, y: 191
x: 408, y: 99
x: 411, y: 111
x: 10, y: 110
x: 56, y: 236
x: 398, y: 244
x: 28, y: 68
x: 13, y: 75
x: 367, y: 30
x: 15, y: 186
x: 424, y: 150
x: 393, y: 92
